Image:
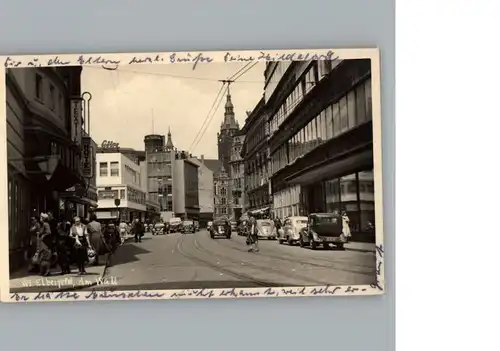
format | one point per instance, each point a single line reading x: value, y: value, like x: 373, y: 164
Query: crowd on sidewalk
x: 60, y: 243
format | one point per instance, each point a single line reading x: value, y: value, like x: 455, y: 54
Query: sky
x: 126, y: 101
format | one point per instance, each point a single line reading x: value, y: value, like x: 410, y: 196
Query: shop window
x: 103, y: 169
x: 122, y: 194
x: 115, y: 169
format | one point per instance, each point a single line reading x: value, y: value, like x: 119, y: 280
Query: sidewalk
x: 360, y: 247
x: 21, y: 281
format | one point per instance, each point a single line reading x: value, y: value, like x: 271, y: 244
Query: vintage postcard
x: 182, y: 175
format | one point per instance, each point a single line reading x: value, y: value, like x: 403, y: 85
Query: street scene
x: 230, y: 175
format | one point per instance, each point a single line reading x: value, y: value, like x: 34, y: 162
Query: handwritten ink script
x: 112, y: 63
x: 379, y: 251
x: 93, y: 295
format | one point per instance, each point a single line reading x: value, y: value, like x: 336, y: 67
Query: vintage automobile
x: 234, y: 226
x: 159, y: 228
x: 174, y: 225
x: 242, y: 228
x: 220, y: 228
x: 187, y: 227
x: 290, y: 232
x: 323, y: 229
x: 196, y: 226
x: 266, y: 229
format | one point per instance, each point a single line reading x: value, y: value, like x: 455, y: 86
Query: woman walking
x: 79, y: 233
x: 45, y: 246
x: 346, y: 230
x: 96, y: 237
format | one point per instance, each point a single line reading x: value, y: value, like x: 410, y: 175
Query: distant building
x: 255, y: 152
x: 237, y: 175
x: 160, y: 158
x: 185, y: 192
x: 205, y: 191
x: 222, y: 182
x: 228, y: 129
x: 119, y: 179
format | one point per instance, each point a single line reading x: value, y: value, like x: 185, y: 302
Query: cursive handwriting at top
x: 188, y: 58
x: 98, y: 60
x: 11, y: 63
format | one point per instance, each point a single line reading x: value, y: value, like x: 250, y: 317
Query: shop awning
x: 77, y: 200
x: 333, y: 169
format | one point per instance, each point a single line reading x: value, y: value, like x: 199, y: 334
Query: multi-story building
x: 237, y: 175
x: 205, y: 191
x: 45, y: 126
x: 185, y: 192
x: 222, y: 183
x: 120, y: 195
x: 160, y: 158
x: 321, y: 144
x: 228, y: 129
x: 256, y: 160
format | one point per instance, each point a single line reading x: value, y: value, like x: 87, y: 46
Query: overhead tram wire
x: 177, y: 76
x: 208, y: 115
x: 238, y: 74
x: 211, y: 118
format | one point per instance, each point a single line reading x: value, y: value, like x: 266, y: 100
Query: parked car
x: 266, y: 229
x: 220, y: 228
x: 323, y: 229
x: 174, y: 225
x: 291, y: 229
x: 242, y: 228
x: 196, y: 226
x: 159, y: 228
x: 234, y: 226
x: 187, y: 227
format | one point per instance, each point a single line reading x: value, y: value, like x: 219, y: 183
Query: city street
x: 190, y: 261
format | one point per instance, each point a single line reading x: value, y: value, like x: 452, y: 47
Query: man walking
x: 138, y: 230
x: 253, y: 238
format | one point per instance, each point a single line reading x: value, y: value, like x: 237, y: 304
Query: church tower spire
x: 229, y: 119
x: 170, y: 144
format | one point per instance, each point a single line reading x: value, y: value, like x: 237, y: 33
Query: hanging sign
x: 87, y: 158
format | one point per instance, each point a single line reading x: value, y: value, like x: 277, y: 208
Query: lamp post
x: 86, y: 97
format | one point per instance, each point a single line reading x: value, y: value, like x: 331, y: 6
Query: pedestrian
x: 253, y: 238
x: 33, y: 244
x: 79, y: 233
x: 138, y: 230
x: 64, y: 246
x: 346, y: 230
x: 45, y: 246
x: 96, y: 237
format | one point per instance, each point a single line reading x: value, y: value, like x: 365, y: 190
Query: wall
x: 15, y: 132
x: 205, y: 188
x: 178, y: 188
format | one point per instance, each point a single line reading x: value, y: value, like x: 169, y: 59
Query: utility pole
x: 228, y: 82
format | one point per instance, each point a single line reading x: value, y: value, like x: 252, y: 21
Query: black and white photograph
x: 217, y: 176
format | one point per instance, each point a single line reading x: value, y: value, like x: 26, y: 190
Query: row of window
x: 68, y: 157
x: 54, y: 100
x: 114, y: 169
x: 130, y: 194
x: 275, y: 78
x: 220, y: 211
x: 131, y: 176
x: 351, y: 110
x: 305, y: 84
x: 257, y: 135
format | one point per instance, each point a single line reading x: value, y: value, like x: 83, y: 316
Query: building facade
x: 205, y: 191
x: 160, y: 158
x: 228, y: 129
x: 237, y: 174
x: 45, y: 125
x: 221, y: 200
x: 321, y: 144
x: 185, y: 192
x: 119, y: 191
x: 255, y: 153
